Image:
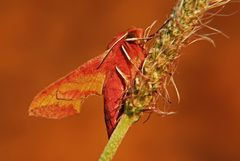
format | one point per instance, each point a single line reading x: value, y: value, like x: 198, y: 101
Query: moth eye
x: 134, y: 36
x: 131, y: 35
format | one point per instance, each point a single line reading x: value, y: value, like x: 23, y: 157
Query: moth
x: 109, y: 74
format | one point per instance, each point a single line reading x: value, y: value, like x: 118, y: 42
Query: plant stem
x: 119, y: 133
x: 186, y: 19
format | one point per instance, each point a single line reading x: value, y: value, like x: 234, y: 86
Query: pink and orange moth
x: 108, y: 74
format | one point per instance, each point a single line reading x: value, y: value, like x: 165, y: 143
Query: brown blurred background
x: 42, y: 40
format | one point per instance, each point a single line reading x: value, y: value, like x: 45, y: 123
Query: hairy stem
x: 187, y: 18
x: 185, y: 21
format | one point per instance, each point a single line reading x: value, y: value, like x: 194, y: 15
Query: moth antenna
x: 136, y: 39
x: 109, y: 50
x: 126, y: 54
x: 123, y: 76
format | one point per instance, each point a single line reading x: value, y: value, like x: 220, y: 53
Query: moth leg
x: 110, y: 49
x: 128, y: 57
x: 124, y: 77
x: 126, y: 82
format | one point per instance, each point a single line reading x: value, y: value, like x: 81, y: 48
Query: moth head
x: 132, y: 35
x: 135, y: 35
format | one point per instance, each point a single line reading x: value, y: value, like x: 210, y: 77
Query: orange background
x: 42, y: 40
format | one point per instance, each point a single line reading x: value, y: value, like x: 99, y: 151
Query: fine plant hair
x: 181, y: 29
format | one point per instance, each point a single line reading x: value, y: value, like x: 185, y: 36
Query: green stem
x: 119, y: 133
x: 185, y: 20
